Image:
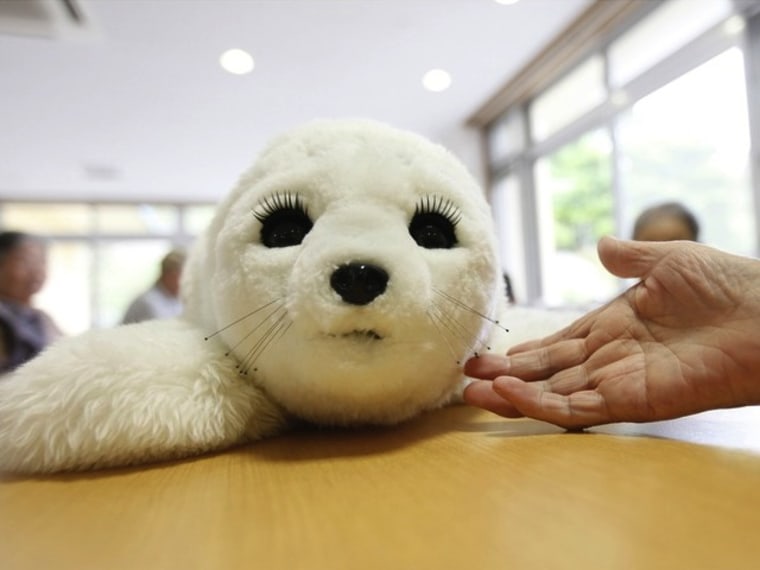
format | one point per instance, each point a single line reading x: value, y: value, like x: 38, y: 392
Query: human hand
x: 682, y: 340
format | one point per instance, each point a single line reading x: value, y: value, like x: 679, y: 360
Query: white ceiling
x: 136, y: 106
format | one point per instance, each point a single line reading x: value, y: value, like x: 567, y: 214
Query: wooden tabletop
x: 455, y: 489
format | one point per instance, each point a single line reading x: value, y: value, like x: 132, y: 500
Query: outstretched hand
x: 682, y: 340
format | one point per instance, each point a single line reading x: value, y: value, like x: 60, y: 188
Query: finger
x: 573, y: 379
x: 628, y: 259
x: 480, y: 394
x: 606, y: 361
x: 540, y: 363
x: 576, y: 330
x: 535, y: 344
x: 487, y: 366
x: 577, y: 410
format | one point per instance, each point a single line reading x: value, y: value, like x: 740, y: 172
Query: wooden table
x: 456, y: 489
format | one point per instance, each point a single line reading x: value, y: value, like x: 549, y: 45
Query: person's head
x: 666, y: 222
x: 171, y: 270
x: 23, y: 266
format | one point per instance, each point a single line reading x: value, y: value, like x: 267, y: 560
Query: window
x: 689, y: 142
x: 576, y: 94
x: 508, y: 209
x: 124, y: 269
x: 661, y: 34
x: 67, y: 294
x: 575, y: 209
x: 48, y: 219
x: 651, y: 110
x: 506, y: 137
x: 196, y: 218
x: 137, y: 219
x: 100, y: 256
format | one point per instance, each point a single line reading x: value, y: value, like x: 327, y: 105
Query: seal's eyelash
x: 433, y: 204
x: 278, y: 202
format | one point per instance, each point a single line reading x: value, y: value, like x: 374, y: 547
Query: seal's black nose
x: 359, y: 283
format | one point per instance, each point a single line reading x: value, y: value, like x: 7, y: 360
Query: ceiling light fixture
x: 436, y: 80
x: 506, y: 2
x: 236, y: 61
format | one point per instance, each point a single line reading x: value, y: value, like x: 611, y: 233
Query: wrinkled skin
x: 682, y: 340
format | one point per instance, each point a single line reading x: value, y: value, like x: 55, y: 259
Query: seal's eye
x: 284, y: 220
x: 434, y: 223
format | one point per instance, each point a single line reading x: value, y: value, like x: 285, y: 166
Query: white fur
x: 157, y: 390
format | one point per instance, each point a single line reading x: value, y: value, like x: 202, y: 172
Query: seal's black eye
x: 284, y: 220
x: 433, y: 225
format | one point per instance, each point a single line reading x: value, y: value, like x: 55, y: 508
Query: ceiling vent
x: 57, y: 19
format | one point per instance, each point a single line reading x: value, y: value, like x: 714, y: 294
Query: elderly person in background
x: 670, y: 221
x: 24, y: 330
x: 162, y: 300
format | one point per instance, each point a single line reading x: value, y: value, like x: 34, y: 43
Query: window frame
x: 546, y: 70
x: 94, y: 237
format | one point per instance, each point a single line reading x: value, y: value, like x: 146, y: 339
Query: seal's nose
x: 359, y: 283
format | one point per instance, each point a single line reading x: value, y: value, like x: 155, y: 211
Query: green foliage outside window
x: 582, y: 194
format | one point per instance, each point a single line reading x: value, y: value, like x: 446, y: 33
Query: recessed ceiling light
x: 237, y: 61
x: 506, y: 2
x: 436, y: 80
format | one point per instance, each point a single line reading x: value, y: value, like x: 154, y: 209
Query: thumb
x: 625, y: 258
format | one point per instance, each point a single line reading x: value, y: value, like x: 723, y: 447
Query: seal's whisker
x: 254, y: 329
x: 454, y: 327
x: 260, y: 347
x: 263, y: 343
x: 272, y: 334
x: 466, y: 307
x: 437, y: 323
x: 276, y: 336
x: 241, y: 319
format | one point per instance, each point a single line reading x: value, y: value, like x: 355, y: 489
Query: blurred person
x: 162, y: 300
x: 24, y: 329
x: 666, y: 222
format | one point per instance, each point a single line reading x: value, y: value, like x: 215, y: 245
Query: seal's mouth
x: 359, y: 334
